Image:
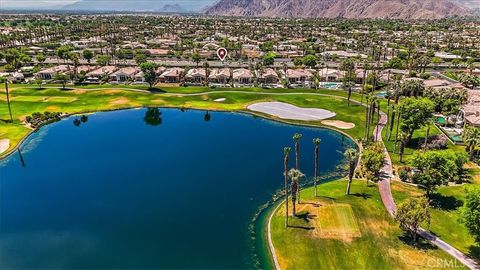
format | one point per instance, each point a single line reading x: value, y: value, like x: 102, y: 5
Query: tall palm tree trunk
x: 316, y: 170
x: 367, y: 121
x: 285, y: 170
x: 294, y: 188
x: 297, y: 148
x: 350, y: 176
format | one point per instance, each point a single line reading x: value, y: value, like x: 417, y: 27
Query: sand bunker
x: 4, y: 145
x: 220, y: 99
x: 338, y: 124
x: 288, y: 111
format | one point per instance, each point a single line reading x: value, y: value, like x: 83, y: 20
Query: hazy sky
x: 59, y: 3
x: 33, y: 3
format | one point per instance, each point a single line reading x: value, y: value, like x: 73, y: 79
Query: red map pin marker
x: 222, y: 53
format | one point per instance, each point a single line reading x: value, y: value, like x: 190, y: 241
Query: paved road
x: 387, y: 199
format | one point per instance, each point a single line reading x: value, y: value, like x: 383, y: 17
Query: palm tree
x: 295, y: 176
x: 296, y: 139
x: 8, y: 101
x: 367, y: 114
x: 471, y: 137
x: 427, y: 134
x: 316, y: 142
x: 286, y: 153
x: 403, y: 144
x: 351, y: 155
x: 206, y: 66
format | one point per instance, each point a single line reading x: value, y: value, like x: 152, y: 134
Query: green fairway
x: 43, y: 99
x: 26, y: 100
x: 336, y: 221
x: 335, y: 231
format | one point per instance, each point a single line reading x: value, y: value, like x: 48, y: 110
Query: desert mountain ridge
x: 391, y: 9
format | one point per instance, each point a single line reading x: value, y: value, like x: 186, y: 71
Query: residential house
x: 242, y: 77
x: 436, y: 83
x: 447, y: 56
x: 388, y: 74
x: 268, y: 77
x: 124, y: 74
x: 139, y: 77
x: 97, y: 75
x: 172, y: 75
x: 298, y: 77
x: 343, y: 54
x: 195, y: 76
x: 49, y: 73
x: 330, y: 75
x: 471, y: 110
x: 157, y: 52
x: 220, y: 76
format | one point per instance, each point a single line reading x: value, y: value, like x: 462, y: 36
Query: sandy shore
x: 338, y: 124
x: 4, y: 145
x: 288, y: 111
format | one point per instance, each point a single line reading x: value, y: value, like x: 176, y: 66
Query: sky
x: 34, y: 4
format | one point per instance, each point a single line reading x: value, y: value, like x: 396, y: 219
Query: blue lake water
x: 116, y: 192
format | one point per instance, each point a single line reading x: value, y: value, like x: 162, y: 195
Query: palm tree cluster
x: 295, y: 175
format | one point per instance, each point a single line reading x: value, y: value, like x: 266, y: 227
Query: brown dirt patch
x: 400, y: 187
x: 281, y: 260
x: 52, y: 109
x: 338, y: 124
x: 158, y: 101
x: 112, y: 92
x: 412, y: 258
x: 120, y: 101
x: 379, y: 227
x: 78, y: 91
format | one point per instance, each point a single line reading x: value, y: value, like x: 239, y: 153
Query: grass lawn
x: 335, y: 231
x: 445, y: 214
x: 26, y: 100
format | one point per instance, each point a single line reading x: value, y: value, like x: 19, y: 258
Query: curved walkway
x: 387, y: 199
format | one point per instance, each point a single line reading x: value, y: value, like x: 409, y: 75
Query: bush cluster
x: 37, y: 119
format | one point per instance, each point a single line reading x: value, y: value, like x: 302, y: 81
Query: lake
x: 135, y: 189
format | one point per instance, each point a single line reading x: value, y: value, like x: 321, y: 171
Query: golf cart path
x: 388, y: 201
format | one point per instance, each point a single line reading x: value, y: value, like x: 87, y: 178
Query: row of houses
x: 94, y: 74
x: 197, y: 76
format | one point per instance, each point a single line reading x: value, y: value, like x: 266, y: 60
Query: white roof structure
x: 242, y: 73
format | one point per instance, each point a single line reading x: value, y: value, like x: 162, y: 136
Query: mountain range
x: 392, y: 9
x: 398, y: 9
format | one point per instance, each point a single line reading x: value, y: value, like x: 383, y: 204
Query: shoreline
x: 10, y: 152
